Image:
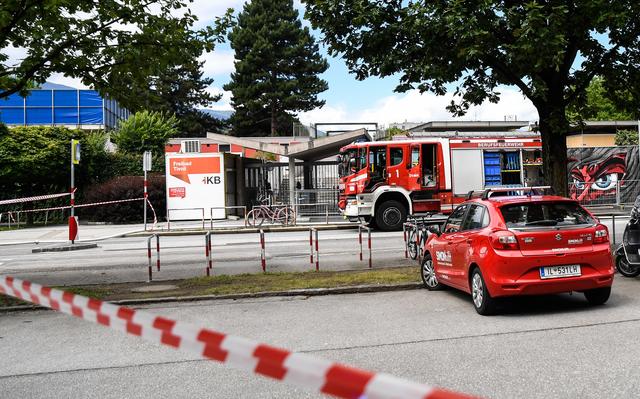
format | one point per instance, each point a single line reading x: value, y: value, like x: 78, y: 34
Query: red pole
x: 263, y: 259
x: 406, y: 245
x: 158, y: 252
x: 317, y: 253
x: 311, y: 246
x: 149, y: 256
x: 370, y: 261
x: 360, y: 240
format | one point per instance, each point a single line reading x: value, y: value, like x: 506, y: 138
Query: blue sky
x: 350, y: 100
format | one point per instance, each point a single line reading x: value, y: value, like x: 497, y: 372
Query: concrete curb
x: 243, y: 230
x: 62, y: 248
x: 356, y: 289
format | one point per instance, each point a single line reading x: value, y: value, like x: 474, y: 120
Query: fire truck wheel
x: 390, y: 216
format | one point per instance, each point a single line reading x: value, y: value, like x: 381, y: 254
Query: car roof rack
x: 529, y: 190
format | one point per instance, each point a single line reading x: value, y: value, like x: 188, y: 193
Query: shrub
x: 145, y: 131
x: 124, y: 187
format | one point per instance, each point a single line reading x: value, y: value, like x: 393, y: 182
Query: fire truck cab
x: 384, y: 181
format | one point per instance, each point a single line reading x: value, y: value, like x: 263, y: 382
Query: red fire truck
x: 382, y: 182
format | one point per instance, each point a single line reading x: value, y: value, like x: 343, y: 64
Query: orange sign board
x: 181, y: 168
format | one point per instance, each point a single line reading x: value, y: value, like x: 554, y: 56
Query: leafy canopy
x: 276, y: 69
x: 599, y: 105
x: 112, y: 46
x: 145, y: 131
x: 477, y: 46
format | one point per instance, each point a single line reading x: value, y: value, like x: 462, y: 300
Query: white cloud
x: 67, y: 81
x: 225, y: 102
x: 218, y: 62
x: 416, y: 107
x: 208, y: 10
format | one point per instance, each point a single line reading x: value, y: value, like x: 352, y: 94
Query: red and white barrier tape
x: 31, y: 199
x: 298, y: 369
x: 58, y: 208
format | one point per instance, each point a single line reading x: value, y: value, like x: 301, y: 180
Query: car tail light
x: 504, y: 239
x: 601, y: 235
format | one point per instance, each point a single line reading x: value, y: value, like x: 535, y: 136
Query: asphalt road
x: 548, y: 347
x: 125, y: 259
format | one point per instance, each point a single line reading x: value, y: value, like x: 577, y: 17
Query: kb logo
x: 211, y: 180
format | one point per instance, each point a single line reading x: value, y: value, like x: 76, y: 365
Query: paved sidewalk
x: 94, y: 232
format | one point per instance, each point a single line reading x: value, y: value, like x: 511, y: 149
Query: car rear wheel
x: 625, y: 268
x: 428, y: 274
x: 482, y: 300
x: 597, y: 296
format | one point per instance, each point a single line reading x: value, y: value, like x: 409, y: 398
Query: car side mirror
x: 434, y: 229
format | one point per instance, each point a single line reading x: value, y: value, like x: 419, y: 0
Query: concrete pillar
x: 307, y: 179
x: 292, y: 181
x: 241, y: 193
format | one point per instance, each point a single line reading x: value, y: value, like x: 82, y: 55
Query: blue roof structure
x: 83, y: 109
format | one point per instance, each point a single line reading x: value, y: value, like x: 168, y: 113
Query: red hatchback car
x: 500, y: 246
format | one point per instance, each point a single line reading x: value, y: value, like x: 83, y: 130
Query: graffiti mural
x: 597, y: 173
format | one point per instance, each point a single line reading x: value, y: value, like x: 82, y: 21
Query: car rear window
x: 542, y: 214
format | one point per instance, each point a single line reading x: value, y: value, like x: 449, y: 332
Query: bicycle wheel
x: 255, y: 217
x: 412, y: 246
x: 286, y: 215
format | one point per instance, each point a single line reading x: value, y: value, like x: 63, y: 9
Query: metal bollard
x: 311, y: 246
x: 360, y: 228
x: 157, y: 251
x: 360, y: 240
x: 613, y: 228
x: 207, y: 253
x: 149, y: 257
x: 370, y: 257
x: 317, y: 252
x: 406, y: 244
x: 263, y: 256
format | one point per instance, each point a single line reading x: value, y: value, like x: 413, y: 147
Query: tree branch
x: 17, y: 17
x: 54, y: 53
x: 502, y: 68
x: 597, y: 68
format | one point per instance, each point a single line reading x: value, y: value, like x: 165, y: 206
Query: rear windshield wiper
x: 543, y: 222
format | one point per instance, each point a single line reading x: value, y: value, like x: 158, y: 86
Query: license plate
x: 560, y: 271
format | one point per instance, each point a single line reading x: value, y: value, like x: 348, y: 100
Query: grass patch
x: 246, y: 283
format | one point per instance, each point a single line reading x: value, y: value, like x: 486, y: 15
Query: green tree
x: 478, y: 46
x: 145, y: 131
x: 179, y: 90
x: 110, y: 45
x: 392, y: 131
x: 599, y: 105
x: 277, y: 67
x: 627, y: 137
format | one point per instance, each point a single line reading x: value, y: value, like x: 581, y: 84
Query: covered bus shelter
x: 305, y: 151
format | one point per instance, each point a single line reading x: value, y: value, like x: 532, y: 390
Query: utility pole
x: 146, y: 166
x: 75, y: 160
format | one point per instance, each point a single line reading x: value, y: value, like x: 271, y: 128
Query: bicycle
x: 417, y: 236
x: 284, y: 214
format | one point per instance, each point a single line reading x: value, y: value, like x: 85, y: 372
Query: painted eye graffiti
x: 605, y: 182
x: 578, y: 184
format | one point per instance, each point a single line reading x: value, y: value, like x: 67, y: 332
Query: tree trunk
x: 553, y: 131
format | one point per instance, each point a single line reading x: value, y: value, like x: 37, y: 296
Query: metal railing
x: 183, y: 209
x: 601, y: 193
x: 244, y: 212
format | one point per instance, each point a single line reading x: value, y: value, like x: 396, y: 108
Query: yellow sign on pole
x: 75, y: 155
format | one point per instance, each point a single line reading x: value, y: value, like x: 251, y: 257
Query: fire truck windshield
x: 348, y: 162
